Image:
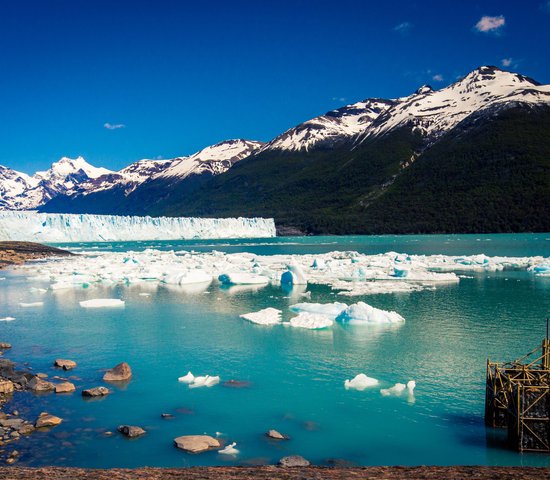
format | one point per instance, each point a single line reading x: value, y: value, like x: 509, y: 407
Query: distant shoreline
x: 16, y: 253
x: 270, y: 472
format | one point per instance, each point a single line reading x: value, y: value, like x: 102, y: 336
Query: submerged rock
x: 276, y: 435
x: 118, y: 373
x: 64, y: 364
x: 47, y: 420
x: 131, y: 431
x: 166, y: 416
x: 96, y: 392
x: 294, y: 461
x: 64, y: 387
x: 236, y: 384
x: 196, y: 443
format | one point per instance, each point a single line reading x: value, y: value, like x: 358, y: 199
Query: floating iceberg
x: 361, y: 312
x: 331, y: 310
x: 230, y: 449
x: 7, y: 319
x: 53, y: 227
x: 399, y: 388
x: 360, y: 382
x: 187, y: 278
x: 204, y: 381
x: 102, y: 303
x: 294, y: 275
x: 189, y: 378
x: 311, y: 321
x: 267, y: 316
x: 242, y: 278
x: 31, y: 304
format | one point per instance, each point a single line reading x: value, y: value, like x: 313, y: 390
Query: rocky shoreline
x: 16, y: 253
x: 278, y: 473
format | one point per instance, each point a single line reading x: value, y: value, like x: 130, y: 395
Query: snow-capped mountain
x: 13, y: 186
x: 331, y: 128
x: 433, y: 113
x: 215, y: 159
x: 73, y: 185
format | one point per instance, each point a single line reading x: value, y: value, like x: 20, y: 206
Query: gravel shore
x: 278, y: 473
x: 16, y: 253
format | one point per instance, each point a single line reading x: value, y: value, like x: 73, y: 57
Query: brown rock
x: 276, y: 435
x: 96, y: 392
x: 131, y: 431
x: 47, y: 420
x: 6, y: 386
x: 64, y: 387
x: 196, y: 443
x: 4, y: 346
x: 38, y: 385
x: 64, y: 364
x: 294, y: 461
x: 118, y: 373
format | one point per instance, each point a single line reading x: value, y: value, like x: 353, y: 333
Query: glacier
x: 53, y: 227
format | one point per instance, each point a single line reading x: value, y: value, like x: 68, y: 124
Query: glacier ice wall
x: 52, y: 227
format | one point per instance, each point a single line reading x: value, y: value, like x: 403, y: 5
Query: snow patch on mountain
x: 215, y: 159
x: 333, y: 127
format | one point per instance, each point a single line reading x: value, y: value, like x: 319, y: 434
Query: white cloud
x: 113, y: 126
x: 490, y: 24
x: 403, y: 28
x: 506, y: 62
x: 437, y: 78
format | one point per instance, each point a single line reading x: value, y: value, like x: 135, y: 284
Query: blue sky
x: 176, y: 76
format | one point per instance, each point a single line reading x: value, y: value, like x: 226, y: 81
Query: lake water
x: 296, y: 376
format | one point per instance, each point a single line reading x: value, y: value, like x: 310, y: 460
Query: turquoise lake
x: 296, y: 376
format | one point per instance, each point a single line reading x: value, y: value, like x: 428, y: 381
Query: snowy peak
x: 333, y: 127
x: 433, y: 113
x: 13, y: 185
x: 215, y: 159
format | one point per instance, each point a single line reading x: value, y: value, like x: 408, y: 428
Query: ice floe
x: 347, y: 273
x: 267, y: 316
x: 311, y: 321
x: 362, y: 312
x: 327, y: 309
x: 230, y: 449
x: 31, y: 304
x: 360, y: 382
x: 399, y: 388
x: 7, y: 319
x: 197, y: 382
x: 102, y: 303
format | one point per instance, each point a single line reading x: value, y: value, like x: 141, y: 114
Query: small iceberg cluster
x: 242, y: 278
x: 197, y: 382
x: 399, y: 388
x: 360, y: 382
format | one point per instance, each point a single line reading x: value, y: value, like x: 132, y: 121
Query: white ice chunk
x: 397, y: 389
x: 242, y: 278
x: 189, y: 378
x: 31, y: 304
x: 102, y: 303
x: 204, y: 381
x: 7, y: 319
x: 267, y: 316
x: 187, y: 278
x: 361, y: 312
x: 230, y: 449
x: 295, y: 275
x: 331, y: 310
x: 360, y: 382
x: 312, y: 321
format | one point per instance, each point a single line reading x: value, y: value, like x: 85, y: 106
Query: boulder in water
x: 118, y: 373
